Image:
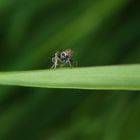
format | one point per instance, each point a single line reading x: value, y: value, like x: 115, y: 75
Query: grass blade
x: 122, y: 77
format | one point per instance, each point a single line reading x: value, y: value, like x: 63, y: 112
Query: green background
x: 101, y: 32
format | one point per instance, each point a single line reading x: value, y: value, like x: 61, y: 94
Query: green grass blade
x: 125, y: 77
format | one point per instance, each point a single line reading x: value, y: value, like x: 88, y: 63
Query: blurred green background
x: 101, y: 32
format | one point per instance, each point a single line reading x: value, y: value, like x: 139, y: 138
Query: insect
x: 62, y: 57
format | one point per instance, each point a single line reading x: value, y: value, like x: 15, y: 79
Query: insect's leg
x: 55, y: 64
x: 52, y: 66
x: 70, y: 63
x: 55, y: 61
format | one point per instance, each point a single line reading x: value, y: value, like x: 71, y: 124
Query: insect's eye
x: 63, y: 54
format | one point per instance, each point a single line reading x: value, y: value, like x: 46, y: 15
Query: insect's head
x: 64, y: 55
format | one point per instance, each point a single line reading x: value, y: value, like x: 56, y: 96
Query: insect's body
x: 62, y: 57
